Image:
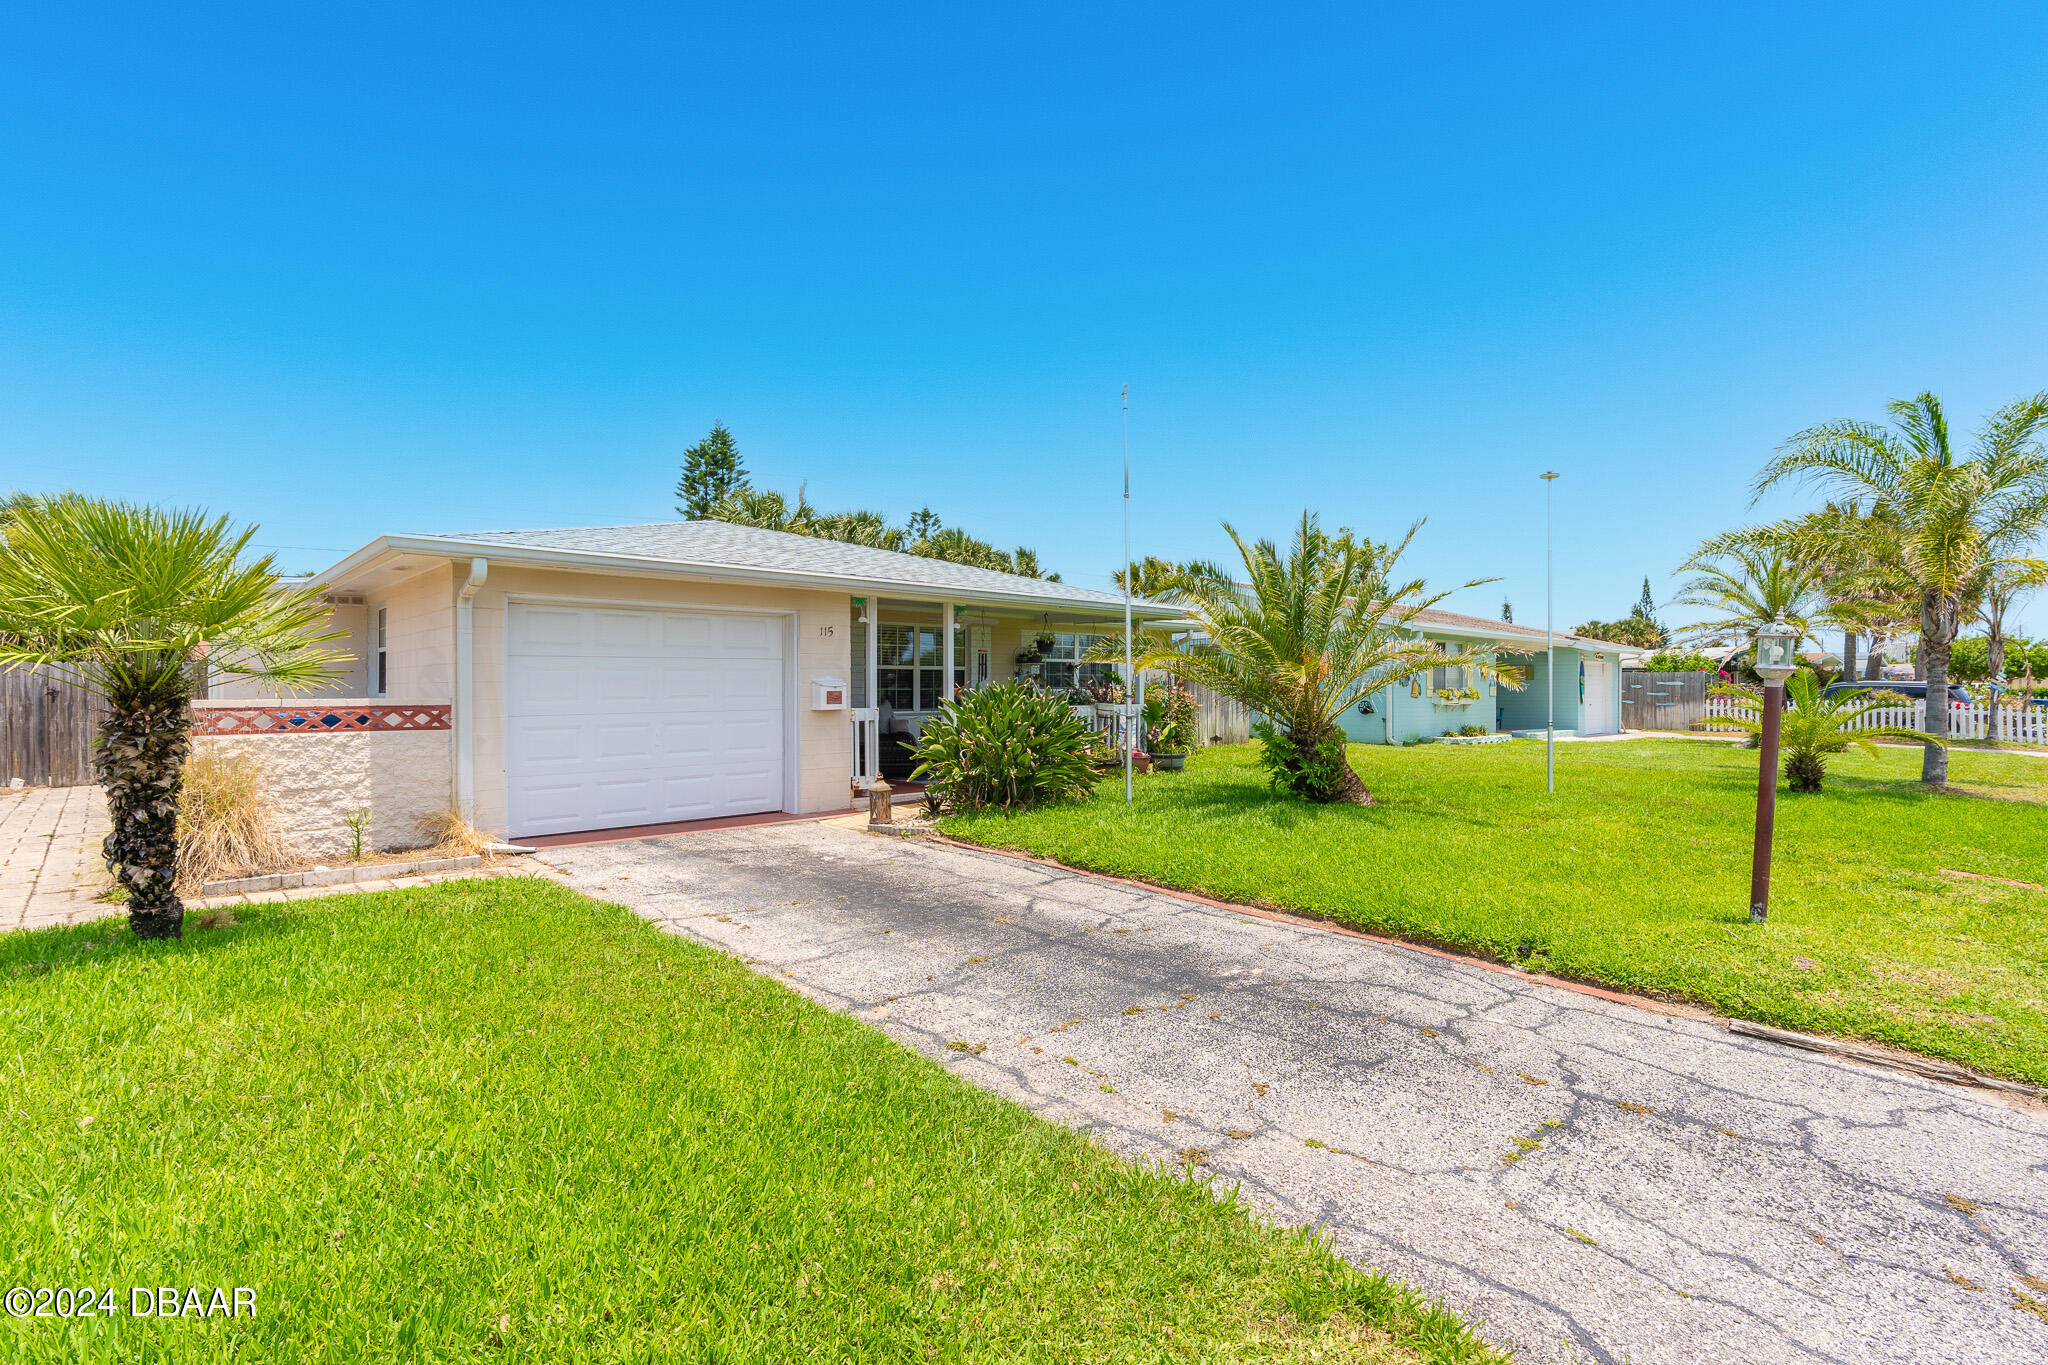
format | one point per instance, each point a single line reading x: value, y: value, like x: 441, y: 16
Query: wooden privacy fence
x: 1662, y: 701
x: 46, y: 729
x: 2016, y: 724
x: 1217, y: 717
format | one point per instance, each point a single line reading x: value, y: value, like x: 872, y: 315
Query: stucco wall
x: 313, y: 781
x: 419, y: 631
x: 351, y: 652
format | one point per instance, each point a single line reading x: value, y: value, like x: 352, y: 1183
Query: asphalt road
x: 1593, y: 1181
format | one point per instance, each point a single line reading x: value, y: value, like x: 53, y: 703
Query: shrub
x: 1471, y: 729
x: 1680, y: 661
x: 1313, y: 768
x: 224, y: 823
x: 449, y: 825
x: 1169, y: 720
x: 1010, y: 746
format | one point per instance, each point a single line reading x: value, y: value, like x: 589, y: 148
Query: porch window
x: 1063, y: 669
x: 911, y: 668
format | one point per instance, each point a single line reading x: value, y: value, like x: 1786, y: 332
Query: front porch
x: 904, y: 663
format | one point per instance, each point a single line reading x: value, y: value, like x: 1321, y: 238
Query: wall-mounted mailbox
x: 828, y: 694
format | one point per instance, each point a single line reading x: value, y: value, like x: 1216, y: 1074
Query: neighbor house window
x: 910, y: 666
x: 1446, y: 677
x: 380, y: 660
x: 1063, y: 668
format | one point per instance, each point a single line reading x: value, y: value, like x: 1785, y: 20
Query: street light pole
x: 1774, y: 645
x: 1549, y: 644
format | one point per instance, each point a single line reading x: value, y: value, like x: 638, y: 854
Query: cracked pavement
x: 1587, y: 1180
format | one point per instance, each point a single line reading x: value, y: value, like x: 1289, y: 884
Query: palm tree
x: 766, y: 509
x: 1955, y: 517
x: 1816, y: 726
x: 1747, y: 586
x: 1305, y: 636
x: 124, y: 599
x: 2009, y: 583
x: 1162, y: 578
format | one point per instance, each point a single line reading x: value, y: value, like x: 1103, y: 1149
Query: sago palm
x: 1815, y: 726
x: 1955, y: 516
x: 124, y: 600
x: 1304, y: 637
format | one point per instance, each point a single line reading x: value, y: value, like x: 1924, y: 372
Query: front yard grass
x: 1636, y: 875
x: 496, y: 1121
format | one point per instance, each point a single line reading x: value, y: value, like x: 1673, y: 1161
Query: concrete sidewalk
x: 1592, y: 1180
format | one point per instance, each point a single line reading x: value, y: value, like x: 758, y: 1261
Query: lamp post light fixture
x: 1775, y: 662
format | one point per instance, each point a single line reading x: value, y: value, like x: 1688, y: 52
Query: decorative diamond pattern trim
x: 314, y: 720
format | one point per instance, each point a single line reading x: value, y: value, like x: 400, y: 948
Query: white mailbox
x: 828, y: 694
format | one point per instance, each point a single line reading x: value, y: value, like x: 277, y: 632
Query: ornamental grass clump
x: 1009, y: 747
x: 224, y: 821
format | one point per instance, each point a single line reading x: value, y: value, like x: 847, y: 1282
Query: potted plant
x: 1170, y: 727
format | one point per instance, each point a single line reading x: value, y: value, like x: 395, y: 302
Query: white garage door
x: 633, y: 716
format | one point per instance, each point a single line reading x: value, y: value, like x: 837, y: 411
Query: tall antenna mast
x: 1130, y: 678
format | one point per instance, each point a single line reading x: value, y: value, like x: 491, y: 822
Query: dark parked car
x: 1914, y: 691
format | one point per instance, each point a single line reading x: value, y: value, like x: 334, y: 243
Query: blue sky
x: 358, y: 270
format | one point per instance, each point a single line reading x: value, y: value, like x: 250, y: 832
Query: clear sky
x: 347, y: 270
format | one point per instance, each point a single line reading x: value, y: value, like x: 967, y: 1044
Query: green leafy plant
x: 1470, y: 730
x: 1816, y: 726
x: 1680, y: 661
x: 1009, y: 747
x: 1312, y: 766
x: 126, y: 601
x: 1169, y: 720
x: 1457, y: 694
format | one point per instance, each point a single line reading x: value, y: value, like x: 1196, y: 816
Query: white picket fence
x: 2016, y: 724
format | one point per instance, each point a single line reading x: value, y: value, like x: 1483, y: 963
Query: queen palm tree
x: 1817, y: 726
x: 124, y: 599
x: 1303, y: 637
x: 2009, y: 582
x: 1955, y: 516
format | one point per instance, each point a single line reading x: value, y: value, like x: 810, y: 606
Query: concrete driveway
x: 1594, y: 1181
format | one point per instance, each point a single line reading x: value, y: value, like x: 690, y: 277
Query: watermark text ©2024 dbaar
x: 139, y: 1301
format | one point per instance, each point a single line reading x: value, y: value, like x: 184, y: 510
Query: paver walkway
x: 1595, y: 1181
x: 50, y: 867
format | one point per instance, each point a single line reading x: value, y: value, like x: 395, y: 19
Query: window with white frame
x: 910, y: 666
x: 1063, y: 668
x: 1446, y: 677
x: 380, y: 680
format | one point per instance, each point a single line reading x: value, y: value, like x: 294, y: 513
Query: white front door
x: 637, y: 716
x: 1596, y: 717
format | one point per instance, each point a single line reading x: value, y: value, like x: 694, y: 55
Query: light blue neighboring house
x: 1587, y: 689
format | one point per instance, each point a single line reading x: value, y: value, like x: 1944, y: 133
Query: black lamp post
x: 1774, y: 663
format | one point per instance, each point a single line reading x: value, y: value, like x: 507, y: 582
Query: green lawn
x: 495, y: 1121
x: 1636, y: 875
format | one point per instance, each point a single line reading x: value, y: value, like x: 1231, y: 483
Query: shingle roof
x: 719, y: 544
x: 1455, y: 620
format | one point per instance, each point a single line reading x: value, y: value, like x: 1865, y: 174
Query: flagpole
x: 1130, y: 678
x: 1549, y: 646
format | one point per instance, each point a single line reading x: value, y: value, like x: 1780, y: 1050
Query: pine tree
x: 1646, y: 605
x: 711, y: 470
x: 1507, y: 611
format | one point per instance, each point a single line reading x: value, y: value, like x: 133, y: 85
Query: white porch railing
x: 867, y: 745
x: 1121, y: 725
x: 2016, y: 724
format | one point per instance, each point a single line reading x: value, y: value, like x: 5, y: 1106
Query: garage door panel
x: 545, y: 629
x: 752, y: 686
x: 625, y: 716
x: 688, y: 685
x: 751, y: 636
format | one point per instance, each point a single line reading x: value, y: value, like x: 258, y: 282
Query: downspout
x: 465, y: 689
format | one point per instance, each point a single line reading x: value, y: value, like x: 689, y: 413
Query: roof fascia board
x: 599, y: 561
